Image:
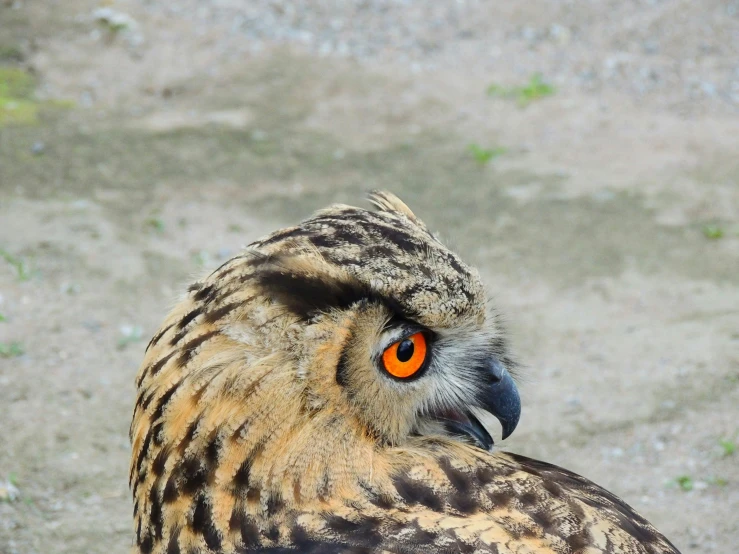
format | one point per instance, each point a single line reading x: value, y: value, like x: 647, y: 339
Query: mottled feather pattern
x: 245, y: 439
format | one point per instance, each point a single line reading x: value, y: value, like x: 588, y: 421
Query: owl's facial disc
x: 408, y: 350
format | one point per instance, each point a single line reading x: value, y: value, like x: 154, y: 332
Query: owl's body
x: 270, y: 417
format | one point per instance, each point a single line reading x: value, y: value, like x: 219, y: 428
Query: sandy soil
x: 195, y: 127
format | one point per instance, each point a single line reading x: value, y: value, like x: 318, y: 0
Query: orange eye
x: 404, y: 358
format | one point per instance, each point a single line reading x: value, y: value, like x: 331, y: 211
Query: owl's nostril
x: 496, y: 369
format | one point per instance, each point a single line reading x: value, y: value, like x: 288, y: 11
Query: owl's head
x: 321, y: 355
x: 384, y: 326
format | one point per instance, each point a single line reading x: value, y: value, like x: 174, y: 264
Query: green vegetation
x: 728, y: 446
x: 156, y: 224
x: 535, y: 89
x: 718, y: 481
x: 484, y: 155
x: 9, y: 489
x: 12, y: 350
x: 713, y: 231
x: 685, y: 482
x: 17, y: 104
x: 2, y: 318
x: 20, y: 266
x: 114, y: 25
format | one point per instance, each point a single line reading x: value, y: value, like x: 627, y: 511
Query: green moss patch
x: 18, y: 106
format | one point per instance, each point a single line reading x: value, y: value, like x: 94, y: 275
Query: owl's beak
x: 500, y: 397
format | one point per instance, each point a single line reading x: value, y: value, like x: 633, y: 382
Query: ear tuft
x: 387, y: 202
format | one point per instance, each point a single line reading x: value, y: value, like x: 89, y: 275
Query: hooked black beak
x: 499, y: 396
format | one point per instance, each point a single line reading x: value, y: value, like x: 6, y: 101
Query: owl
x: 323, y: 392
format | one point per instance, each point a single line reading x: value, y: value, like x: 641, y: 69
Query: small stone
x: 651, y: 47
x: 603, y: 195
x: 38, y: 148
x: 587, y: 76
x: 81, y: 204
x: 574, y: 403
x: 114, y: 19
x: 530, y: 35
x: 709, y: 89
x: 560, y: 34
x: 70, y: 288
x: 130, y: 333
x: 8, y: 491
x: 86, y: 99
x: 92, y: 325
x: 119, y: 22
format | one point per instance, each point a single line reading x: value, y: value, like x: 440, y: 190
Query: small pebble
x: 574, y: 403
x: 92, y: 325
x: 8, y: 491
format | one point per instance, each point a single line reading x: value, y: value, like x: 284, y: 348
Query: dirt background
x: 138, y: 153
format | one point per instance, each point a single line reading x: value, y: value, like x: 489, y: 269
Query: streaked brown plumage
x: 265, y: 422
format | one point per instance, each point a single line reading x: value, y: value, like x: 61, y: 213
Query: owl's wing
x: 516, y: 505
x: 569, y: 508
x: 316, y: 548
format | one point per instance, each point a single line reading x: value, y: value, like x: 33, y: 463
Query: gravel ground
x: 676, y: 54
x: 602, y: 213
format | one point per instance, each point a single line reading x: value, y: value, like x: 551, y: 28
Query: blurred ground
x: 137, y: 153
